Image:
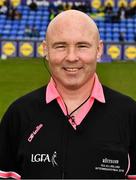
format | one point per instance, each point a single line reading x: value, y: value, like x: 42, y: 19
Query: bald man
x: 74, y: 127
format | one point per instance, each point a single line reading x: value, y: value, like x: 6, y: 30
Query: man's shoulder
x: 118, y: 97
x: 36, y: 96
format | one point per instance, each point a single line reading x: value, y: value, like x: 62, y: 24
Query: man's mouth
x: 71, y: 69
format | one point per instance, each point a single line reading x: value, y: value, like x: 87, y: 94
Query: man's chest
x: 51, y: 148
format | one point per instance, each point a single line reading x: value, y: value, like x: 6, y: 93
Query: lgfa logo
x: 37, y: 158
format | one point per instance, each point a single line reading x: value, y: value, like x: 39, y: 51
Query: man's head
x: 72, y: 48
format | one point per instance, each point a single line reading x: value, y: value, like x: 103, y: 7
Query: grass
x: 18, y: 77
x: 119, y: 76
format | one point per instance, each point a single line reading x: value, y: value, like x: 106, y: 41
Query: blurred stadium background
x: 23, y: 25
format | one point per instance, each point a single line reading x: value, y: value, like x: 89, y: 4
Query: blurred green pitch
x: 20, y: 76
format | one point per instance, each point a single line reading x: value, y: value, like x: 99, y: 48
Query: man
x: 75, y: 127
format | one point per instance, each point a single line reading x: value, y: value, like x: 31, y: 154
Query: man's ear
x: 100, y: 49
x: 45, y: 51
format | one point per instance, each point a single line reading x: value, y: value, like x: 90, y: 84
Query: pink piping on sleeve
x: 128, y: 165
x: 10, y: 174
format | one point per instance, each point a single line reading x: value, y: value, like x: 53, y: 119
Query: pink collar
x: 97, y: 92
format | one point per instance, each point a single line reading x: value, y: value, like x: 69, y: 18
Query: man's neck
x: 73, y: 98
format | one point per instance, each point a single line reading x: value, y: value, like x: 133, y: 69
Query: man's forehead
x: 71, y: 20
x: 69, y: 29
x: 71, y: 36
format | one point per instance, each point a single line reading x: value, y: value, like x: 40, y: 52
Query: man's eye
x: 60, y: 47
x: 83, y: 46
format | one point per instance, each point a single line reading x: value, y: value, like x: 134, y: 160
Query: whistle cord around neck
x: 69, y: 115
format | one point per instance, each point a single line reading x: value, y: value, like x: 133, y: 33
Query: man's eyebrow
x: 64, y: 43
x: 59, y: 43
x: 83, y: 42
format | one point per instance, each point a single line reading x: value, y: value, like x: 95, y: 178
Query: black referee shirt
x: 37, y: 141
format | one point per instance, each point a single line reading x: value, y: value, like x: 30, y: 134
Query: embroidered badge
x: 45, y: 158
x: 109, y: 165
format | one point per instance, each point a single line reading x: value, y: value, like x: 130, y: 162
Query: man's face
x: 72, y: 52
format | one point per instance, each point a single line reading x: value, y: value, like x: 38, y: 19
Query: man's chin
x: 72, y: 86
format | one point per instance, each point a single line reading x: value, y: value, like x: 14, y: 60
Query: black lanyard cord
x: 69, y: 115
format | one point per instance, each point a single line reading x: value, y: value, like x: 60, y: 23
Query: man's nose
x: 72, y: 54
